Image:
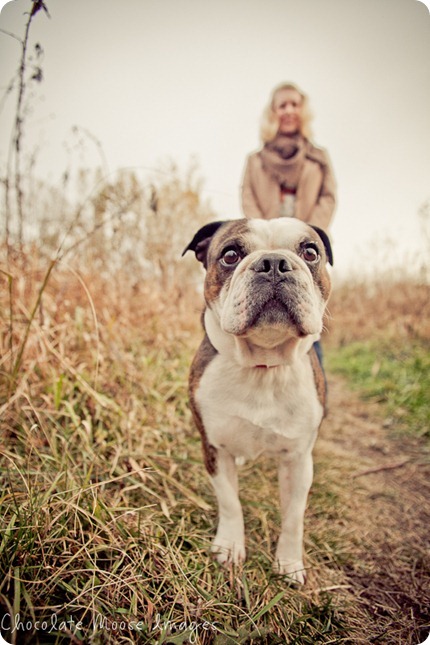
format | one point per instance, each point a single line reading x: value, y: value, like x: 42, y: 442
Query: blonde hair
x: 269, y: 124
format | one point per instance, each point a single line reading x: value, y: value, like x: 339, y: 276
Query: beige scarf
x: 283, y: 158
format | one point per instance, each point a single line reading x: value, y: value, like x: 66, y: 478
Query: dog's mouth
x: 281, y: 313
x: 283, y: 310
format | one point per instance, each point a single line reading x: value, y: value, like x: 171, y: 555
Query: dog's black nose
x: 272, y: 264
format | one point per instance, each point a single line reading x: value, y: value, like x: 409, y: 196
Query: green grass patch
x: 397, y: 376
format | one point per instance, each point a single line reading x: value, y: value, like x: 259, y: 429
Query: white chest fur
x: 250, y: 411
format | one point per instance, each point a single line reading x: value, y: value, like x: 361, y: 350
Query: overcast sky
x: 158, y: 79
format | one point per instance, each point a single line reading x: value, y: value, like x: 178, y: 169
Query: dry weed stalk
x: 15, y: 179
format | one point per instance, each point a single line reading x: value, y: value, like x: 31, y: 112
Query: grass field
x: 395, y: 375
x: 106, y: 511
x: 380, y: 342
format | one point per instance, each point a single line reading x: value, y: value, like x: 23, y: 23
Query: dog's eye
x: 310, y: 253
x: 230, y: 257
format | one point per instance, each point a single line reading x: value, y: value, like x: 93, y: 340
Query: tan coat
x: 316, y: 191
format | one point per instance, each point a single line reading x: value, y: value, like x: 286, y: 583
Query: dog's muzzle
x: 271, y: 289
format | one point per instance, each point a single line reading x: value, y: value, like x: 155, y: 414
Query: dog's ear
x: 200, y: 242
x: 326, y: 241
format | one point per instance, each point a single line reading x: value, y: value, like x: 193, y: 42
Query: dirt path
x: 384, y: 487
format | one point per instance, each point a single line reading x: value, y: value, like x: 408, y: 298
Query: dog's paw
x: 227, y: 552
x: 294, y: 571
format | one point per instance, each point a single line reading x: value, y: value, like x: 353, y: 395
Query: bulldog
x: 256, y: 385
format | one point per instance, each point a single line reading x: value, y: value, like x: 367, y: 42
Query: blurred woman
x: 289, y: 176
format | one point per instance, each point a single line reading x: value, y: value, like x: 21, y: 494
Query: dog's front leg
x: 295, y: 479
x: 229, y: 542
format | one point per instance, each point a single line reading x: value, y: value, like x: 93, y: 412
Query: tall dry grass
x: 106, y: 510
x: 385, y: 308
x: 106, y: 513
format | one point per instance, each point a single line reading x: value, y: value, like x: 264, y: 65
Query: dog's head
x: 266, y: 280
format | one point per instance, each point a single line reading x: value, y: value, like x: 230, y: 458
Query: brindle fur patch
x: 319, y: 271
x: 216, y: 276
x: 320, y: 382
x: 203, y: 357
